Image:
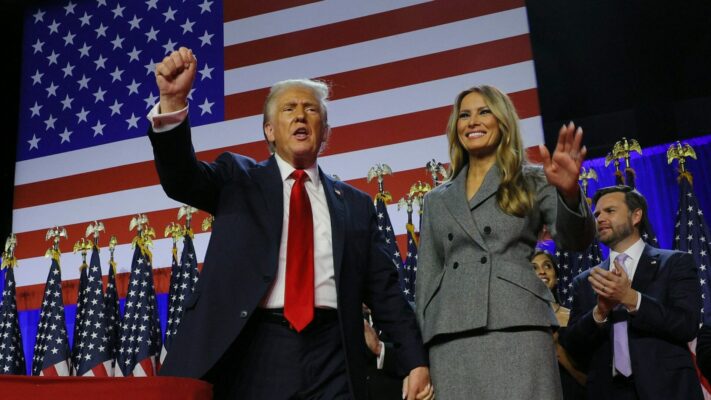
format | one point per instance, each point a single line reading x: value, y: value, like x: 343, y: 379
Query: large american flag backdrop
x: 395, y: 67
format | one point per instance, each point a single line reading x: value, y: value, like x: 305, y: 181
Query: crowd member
x: 292, y: 257
x: 485, y: 316
x: 571, y: 378
x: 634, y: 314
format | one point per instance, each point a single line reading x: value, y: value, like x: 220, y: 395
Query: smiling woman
x: 477, y: 295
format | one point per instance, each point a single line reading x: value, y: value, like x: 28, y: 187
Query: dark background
x: 639, y: 69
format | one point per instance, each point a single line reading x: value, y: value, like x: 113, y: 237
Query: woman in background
x: 572, y: 380
x: 485, y: 316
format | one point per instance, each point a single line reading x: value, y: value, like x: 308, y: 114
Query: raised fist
x: 174, y: 78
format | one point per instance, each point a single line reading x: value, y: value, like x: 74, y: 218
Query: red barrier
x: 55, y: 388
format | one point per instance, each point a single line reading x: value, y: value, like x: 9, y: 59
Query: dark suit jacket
x: 241, y: 262
x: 385, y: 383
x: 668, y: 318
x: 703, y: 351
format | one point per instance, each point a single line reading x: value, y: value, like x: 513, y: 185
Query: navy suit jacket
x: 241, y: 262
x: 668, y: 318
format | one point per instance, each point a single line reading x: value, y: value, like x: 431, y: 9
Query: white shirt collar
x: 634, y: 251
x: 286, y: 169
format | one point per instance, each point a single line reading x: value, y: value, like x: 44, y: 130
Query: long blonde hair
x: 514, y: 196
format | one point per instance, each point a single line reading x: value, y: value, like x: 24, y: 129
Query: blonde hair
x: 514, y: 196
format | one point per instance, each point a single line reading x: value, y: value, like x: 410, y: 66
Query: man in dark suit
x: 292, y: 257
x: 631, y: 321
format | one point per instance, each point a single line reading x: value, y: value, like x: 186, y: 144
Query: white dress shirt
x: 324, y: 273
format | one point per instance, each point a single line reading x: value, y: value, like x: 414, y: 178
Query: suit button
x: 243, y: 314
x: 455, y: 265
x: 483, y: 260
x: 450, y: 237
x: 487, y: 230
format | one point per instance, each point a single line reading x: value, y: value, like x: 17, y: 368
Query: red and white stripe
x: 145, y: 367
x: 395, y: 68
x: 59, y: 369
x: 103, y: 370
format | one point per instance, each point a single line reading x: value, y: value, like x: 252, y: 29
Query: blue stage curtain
x: 656, y: 180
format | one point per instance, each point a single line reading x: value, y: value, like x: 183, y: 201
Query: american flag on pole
x: 183, y: 280
x: 111, y: 302
x: 12, y: 358
x: 51, y: 353
x: 410, y: 266
x: 691, y: 234
x: 174, y: 276
x: 79, y: 319
x: 386, y: 227
x: 93, y: 348
x: 395, y: 67
x: 139, y: 335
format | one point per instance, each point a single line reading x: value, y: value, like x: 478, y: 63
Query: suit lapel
x: 459, y: 206
x: 488, y: 188
x: 337, y: 210
x: 647, y: 268
x: 267, y: 178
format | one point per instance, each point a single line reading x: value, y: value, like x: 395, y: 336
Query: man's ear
x: 637, y: 217
x: 269, y: 132
x: 324, y: 138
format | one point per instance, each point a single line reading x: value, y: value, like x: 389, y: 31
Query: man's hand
x: 371, y: 338
x: 417, y: 385
x: 613, y: 287
x: 174, y: 78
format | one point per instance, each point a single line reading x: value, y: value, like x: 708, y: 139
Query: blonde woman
x: 485, y: 316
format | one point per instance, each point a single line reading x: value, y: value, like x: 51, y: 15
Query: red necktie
x: 299, y: 292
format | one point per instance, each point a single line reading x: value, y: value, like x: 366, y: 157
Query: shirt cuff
x: 639, y: 303
x: 599, y: 322
x: 381, y: 356
x: 165, y: 122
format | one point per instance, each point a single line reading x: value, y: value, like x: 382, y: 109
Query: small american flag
x: 79, y: 316
x: 111, y: 301
x: 386, y: 228
x: 93, y: 350
x: 12, y: 358
x: 410, y: 267
x: 139, y: 335
x: 51, y: 352
x: 691, y: 234
x: 184, y: 277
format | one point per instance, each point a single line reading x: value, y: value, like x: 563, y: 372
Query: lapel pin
x: 653, y: 262
x: 338, y: 192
